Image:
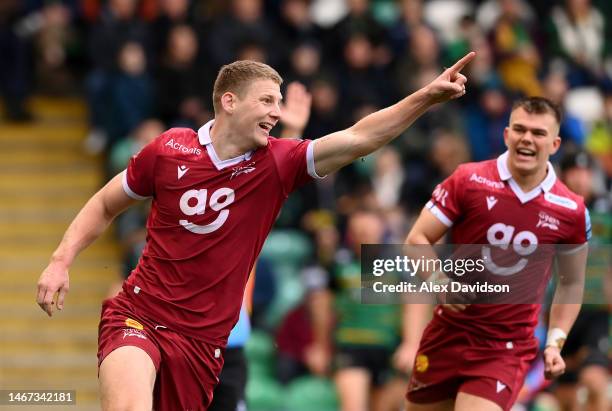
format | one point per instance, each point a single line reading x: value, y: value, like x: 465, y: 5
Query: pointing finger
x: 459, y: 65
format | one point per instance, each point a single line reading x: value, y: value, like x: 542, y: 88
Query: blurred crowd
x: 147, y: 65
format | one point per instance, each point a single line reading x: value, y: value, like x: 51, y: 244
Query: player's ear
x: 506, y: 135
x: 556, y: 145
x: 228, y: 101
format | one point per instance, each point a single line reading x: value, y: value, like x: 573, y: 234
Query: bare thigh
x: 353, y: 385
x: 469, y: 402
x: 127, y: 378
x: 390, y: 396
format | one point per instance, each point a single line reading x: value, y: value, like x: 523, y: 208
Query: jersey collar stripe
x: 435, y: 210
x: 204, y: 138
x: 504, y: 173
x: 128, y: 190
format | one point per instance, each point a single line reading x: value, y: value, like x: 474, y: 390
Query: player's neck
x: 528, y: 181
x: 226, y: 143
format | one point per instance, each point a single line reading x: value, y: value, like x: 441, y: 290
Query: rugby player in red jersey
x: 474, y: 356
x: 216, y: 194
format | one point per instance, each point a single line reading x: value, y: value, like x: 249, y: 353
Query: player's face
x: 531, y: 139
x: 259, y: 111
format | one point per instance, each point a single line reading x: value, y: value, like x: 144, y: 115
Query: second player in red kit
x: 475, y: 356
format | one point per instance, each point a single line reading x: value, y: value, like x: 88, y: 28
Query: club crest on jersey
x: 548, y: 221
x: 491, y: 201
x: 249, y: 168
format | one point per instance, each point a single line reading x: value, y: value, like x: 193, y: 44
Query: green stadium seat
x: 259, y: 347
x: 286, y: 247
x: 264, y: 394
x: 290, y: 293
x: 311, y: 393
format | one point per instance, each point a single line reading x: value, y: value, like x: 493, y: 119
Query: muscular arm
x: 570, y: 287
x: 565, y: 307
x: 87, y: 226
x: 377, y: 129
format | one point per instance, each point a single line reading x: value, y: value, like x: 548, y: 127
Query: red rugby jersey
x: 207, y: 224
x: 483, y: 204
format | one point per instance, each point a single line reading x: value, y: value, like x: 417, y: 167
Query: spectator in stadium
x: 496, y: 342
x: 517, y: 58
x: 573, y: 129
x: 15, y: 70
x: 305, y: 62
x: 359, y: 22
x: 131, y: 92
x: 599, y: 141
x: 578, y: 42
x: 410, y: 17
x: 117, y: 24
x: 245, y: 22
x: 171, y: 13
x: 374, y: 344
x: 486, y: 120
x: 302, y: 348
x: 184, y: 296
x: 587, y: 345
x: 296, y: 25
x: 182, y: 83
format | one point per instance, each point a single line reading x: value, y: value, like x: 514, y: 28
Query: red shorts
x: 452, y: 360
x: 187, y: 369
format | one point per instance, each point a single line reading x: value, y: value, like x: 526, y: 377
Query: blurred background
x: 84, y: 84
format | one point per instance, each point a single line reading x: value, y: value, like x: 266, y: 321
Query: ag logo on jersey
x: 501, y: 235
x: 193, y: 202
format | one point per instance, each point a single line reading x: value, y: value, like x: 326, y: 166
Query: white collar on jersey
x: 545, y: 185
x: 204, y: 137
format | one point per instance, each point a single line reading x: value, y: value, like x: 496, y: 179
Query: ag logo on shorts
x: 421, y: 363
x: 133, y: 324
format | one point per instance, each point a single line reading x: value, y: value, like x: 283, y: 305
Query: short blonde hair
x: 237, y: 76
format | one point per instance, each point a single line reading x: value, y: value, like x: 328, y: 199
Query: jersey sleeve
x: 294, y: 160
x: 581, y: 230
x: 445, y: 202
x: 138, y: 178
x: 580, y: 233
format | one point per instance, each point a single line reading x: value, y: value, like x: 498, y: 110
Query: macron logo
x: 500, y: 386
x: 181, y: 171
x: 491, y: 201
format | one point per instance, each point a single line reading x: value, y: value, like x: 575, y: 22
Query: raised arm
x: 338, y: 149
x: 87, y: 226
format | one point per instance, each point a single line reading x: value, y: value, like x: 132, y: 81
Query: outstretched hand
x: 54, y: 280
x: 295, y: 111
x: 451, y: 83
